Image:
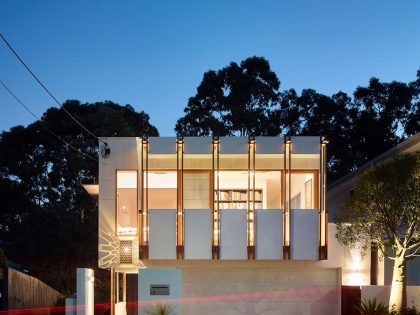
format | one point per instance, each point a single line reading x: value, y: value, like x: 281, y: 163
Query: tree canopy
x: 236, y: 100
x: 385, y: 211
x: 245, y: 99
x: 46, y: 217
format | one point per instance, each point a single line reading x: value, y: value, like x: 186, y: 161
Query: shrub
x: 375, y: 307
x: 161, y: 309
x: 372, y: 307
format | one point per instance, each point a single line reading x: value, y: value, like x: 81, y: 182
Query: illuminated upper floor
x: 204, y: 198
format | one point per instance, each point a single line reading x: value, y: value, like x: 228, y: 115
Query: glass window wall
x: 304, y: 192
x: 126, y: 203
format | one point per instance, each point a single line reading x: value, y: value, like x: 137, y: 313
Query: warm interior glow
x: 303, y: 191
x: 126, y: 203
x: 127, y: 179
x: 355, y: 279
x: 161, y: 179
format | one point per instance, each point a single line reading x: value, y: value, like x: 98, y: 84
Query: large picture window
x: 162, y: 189
x: 126, y: 203
x: 304, y: 190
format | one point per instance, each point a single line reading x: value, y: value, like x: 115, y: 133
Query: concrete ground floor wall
x: 234, y: 288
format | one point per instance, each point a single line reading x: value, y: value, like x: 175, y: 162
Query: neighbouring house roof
x: 409, y: 145
x: 339, y: 191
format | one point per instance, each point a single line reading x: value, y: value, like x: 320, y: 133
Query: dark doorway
x: 132, y: 293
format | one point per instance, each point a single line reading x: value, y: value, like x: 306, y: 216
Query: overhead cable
x: 43, y: 125
x: 48, y: 92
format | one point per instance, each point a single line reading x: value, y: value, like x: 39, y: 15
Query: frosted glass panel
x: 198, y: 232
x: 162, y: 234
x: 162, y: 145
x: 304, y: 231
x: 233, y: 234
x: 196, y: 190
x: 269, y: 234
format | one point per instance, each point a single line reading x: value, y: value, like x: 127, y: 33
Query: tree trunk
x: 397, y: 299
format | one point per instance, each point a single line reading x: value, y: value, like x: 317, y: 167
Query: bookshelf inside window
x: 237, y: 198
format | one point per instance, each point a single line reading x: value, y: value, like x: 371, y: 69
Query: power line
x: 43, y: 125
x: 49, y: 93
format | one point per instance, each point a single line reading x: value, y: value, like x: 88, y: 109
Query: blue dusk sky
x: 152, y: 54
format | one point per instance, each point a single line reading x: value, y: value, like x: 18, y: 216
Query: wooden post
x: 112, y: 289
x: 124, y: 286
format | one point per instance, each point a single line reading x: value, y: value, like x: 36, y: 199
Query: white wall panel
x: 233, y: 145
x: 162, y: 234
x: 304, y: 232
x: 305, y: 145
x: 162, y: 145
x: 107, y: 241
x: 107, y: 189
x: 197, y: 234
x: 269, y: 145
x: 269, y: 234
x: 233, y: 234
x: 128, y: 159
x: 198, y: 145
x: 124, y: 155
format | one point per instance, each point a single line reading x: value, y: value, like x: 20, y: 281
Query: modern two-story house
x: 224, y: 225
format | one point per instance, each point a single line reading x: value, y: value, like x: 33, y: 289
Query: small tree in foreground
x: 385, y: 211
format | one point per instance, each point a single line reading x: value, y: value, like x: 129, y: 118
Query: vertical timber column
x: 251, y: 198
x: 112, y: 293
x: 216, y: 197
x: 180, y: 199
x: 323, y: 219
x: 144, y: 231
x: 287, y: 196
x: 124, y: 287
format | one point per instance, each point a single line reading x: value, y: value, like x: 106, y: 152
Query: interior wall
x: 197, y: 190
x: 162, y: 198
x: 127, y: 207
x: 298, y: 190
x: 272, y: 193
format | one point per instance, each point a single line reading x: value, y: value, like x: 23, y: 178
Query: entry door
x: 132, y: 293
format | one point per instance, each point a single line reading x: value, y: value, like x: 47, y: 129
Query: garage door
x: 256, y: 290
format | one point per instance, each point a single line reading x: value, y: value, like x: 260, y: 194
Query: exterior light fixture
x: 180, y: 140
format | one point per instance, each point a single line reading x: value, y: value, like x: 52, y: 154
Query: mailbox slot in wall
x: 159, y: 289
